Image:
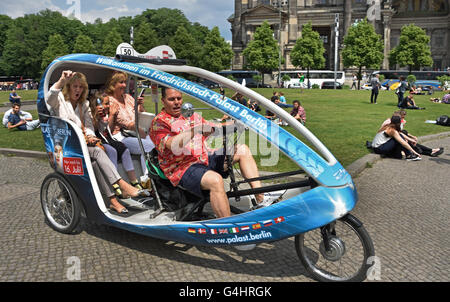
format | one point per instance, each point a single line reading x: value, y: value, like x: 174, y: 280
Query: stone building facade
x: 287, y: 17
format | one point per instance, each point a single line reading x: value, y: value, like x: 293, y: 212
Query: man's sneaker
x: 268, y: 200
x: 413, y: 157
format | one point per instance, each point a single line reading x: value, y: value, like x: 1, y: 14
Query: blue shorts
x: 192, y: 177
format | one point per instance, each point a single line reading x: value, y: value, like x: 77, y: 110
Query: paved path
x: 26, y: 106
x: 404, y: 206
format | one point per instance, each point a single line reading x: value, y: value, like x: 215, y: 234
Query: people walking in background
x: 301, y: 77
x: 401, y: 91
x: 375, y: 83
x: 354, y: 80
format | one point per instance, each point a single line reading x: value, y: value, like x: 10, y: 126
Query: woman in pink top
x: 122, y: 115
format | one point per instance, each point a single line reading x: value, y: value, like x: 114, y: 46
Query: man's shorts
x: 192, y: 177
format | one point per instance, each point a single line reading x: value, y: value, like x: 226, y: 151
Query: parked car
x: 368, y: 86
x: 254, y: 85
x: 297, y: 85
x: 208, y: 84
x: 330, y: 85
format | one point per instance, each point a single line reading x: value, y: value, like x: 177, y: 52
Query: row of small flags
x: 235, y: 230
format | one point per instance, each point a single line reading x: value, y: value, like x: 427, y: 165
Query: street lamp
x: 279, y: 4
x: 336, y: 45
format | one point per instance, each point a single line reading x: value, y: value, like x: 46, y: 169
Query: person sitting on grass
x: 282, y: 101
x: 16, y: 121
x: 389, y: 142
x: 23, y: 115
x: 298, y: 112
x: 409, y: 103
x: 14, y: 98
x: 411, y: 139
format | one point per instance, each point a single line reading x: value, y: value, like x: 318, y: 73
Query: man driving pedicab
x: 184, y: 156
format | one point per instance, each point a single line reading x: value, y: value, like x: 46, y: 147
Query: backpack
x: 443, y: 120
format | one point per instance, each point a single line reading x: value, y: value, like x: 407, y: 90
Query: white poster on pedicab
x: 159, y: 52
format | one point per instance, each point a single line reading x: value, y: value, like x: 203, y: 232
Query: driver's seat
x: 186, y: 204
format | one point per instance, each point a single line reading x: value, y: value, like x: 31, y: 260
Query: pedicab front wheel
x: 60, y: 204
x: 340, y: 251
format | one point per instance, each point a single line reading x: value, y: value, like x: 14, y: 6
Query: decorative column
x: 387, y: 13
x: 347, y: 16
x: 293, y: 21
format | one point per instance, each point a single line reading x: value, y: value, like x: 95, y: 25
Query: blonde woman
x: 122, y: 116
x: 67, y: 100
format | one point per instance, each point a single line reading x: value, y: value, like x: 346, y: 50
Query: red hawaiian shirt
x: 175, y: 162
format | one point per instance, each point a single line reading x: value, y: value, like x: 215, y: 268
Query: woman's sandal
x: 136, y: 184
x: 123, y: 210
x: 117, y: 190
x: 437, y: 153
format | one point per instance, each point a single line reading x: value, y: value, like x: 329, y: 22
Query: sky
x: 206, y: 12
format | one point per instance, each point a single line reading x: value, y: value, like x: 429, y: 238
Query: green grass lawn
x: 342, y: 119
x: 27, y: 95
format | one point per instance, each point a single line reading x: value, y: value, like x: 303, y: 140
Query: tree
x: 216, y: 54
x: 285, y: 78
x: 83, y: 44
x: 112, y: 40
x: 262, y: 53
x: 413, y: 49
x: 257, y: 78
x: 165, y: 22
x: 145, y: 38
x: 363, y: 47
x: 5, y: 23
x: 308, y: 51
x: 12, y: 62
x: 56, y: 48
x: 185, y: 46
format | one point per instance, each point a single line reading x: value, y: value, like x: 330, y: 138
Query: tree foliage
x: 308, y: 50
x: 413, y: 49
x: 185, y: 46
x: 83, y: 44
x: 262, y: 53
x: 217, y: 53
x: 23, y: 40
x: 363, y: 47
x: 56, y: 48
x: 145, y: 38
x: 112, y: 40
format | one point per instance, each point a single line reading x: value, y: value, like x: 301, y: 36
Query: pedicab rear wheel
x: 349, y: 252
x: 60, y: 204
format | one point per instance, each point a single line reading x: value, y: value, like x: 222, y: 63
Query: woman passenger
x: 116, y: 150
x: 121, y: 116
x: 67, y: 99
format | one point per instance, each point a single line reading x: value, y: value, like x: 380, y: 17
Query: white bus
x: 315, y: 77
